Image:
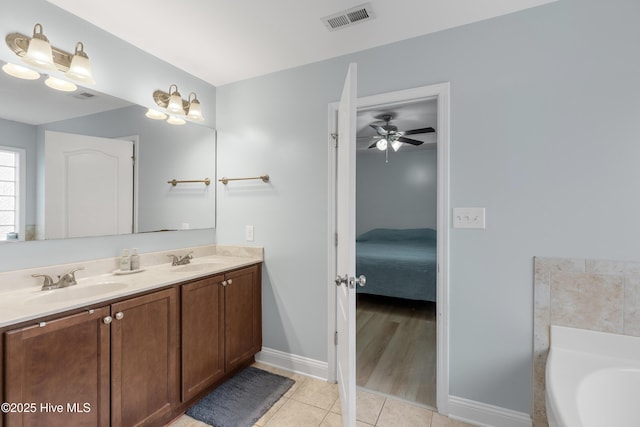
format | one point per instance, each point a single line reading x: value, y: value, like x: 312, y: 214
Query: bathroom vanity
x: 140, y: 353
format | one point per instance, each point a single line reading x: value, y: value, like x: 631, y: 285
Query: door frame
x: 442, y: 92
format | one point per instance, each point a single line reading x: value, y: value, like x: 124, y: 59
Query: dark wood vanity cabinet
x: 242, y: 315
x: 145, y: 360
x: 116, y: 365
x: 126, y: 364
x: 61, y: 362
x: 221, y: 326
x: 202, y: 335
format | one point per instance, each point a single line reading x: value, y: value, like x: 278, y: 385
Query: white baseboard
x: 291, y: 362
x: 476, y: 413
x: 485, y: 415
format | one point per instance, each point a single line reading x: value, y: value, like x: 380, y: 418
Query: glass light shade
x: 39, y: 51
x: 195, y: 111
x: 155, y: 115
x: 80, y: 68
x: 173, y: 120
x: 59, y: 84
x: 396, y: 145
x: 174, y: 105
x: 381, y: 144
x: 20, y: 72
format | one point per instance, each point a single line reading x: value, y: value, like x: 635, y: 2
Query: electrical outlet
x: 248, y: 233
x: 469, y: 218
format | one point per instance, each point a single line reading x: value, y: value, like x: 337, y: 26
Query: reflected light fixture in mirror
x: 36, y: 51
x: 20, y: 72
x: 173, y: 120
x: 155, y: 114
x: 59, y: 84
x: 176, y: 107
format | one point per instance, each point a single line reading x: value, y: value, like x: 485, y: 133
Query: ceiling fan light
x: 80, y: 68
x: 39, y: 52
x: 381, y: 144
x: 396, y: 145
x: 20, y: 72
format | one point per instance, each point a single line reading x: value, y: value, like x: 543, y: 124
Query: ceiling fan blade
x: 417, y: 131
x: 410, y: 141
x: 373, y: 145
x: 379, y: 129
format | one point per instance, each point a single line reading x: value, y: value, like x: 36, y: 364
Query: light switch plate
x: 469, y: 218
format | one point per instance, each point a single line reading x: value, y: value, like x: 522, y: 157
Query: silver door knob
x: 119, y: 315
x: 107, y: 320
x: 341, y: 280
x: 361, y: 280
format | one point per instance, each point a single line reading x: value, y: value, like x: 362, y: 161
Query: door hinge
x: 335, y: 338
x: 335, y: 139
x: 335, y: 239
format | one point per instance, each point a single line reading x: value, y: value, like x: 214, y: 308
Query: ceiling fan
x: 389, y: 135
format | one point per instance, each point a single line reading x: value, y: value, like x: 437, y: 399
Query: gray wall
x: 544, y: 134
x: 120, y: 70
x: 399, y: 194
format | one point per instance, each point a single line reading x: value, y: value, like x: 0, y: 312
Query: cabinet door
x: 144, y: 359
x: 202, y: 335
x: 61, y: 362
x: 243, y: 316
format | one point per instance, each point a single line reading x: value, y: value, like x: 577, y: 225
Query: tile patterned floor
x: 315, y: 403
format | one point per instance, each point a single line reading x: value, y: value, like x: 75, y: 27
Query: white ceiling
x: 222, y: 41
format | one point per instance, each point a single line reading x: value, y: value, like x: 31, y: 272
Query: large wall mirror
x: 54, y: 195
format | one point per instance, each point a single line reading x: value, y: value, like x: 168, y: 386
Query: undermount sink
x: 77, y: 292
x: 197, y: 267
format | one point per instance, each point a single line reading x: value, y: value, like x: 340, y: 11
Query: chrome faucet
x: 68, y: 279
x: 186, y: 259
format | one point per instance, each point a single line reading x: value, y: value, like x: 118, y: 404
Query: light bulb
x: 381, y: 145
x: 80, y: 68
x: 39, y: 51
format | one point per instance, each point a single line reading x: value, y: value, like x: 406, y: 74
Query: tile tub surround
x: 16, y: 287
x: 598, y: 295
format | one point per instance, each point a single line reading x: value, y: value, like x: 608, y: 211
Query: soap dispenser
x: 135, y: 259
x: 125, y: 261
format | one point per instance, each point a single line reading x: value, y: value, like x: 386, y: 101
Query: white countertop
x: 23, y: 303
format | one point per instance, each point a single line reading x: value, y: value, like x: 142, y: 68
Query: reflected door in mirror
x: 89, y: 186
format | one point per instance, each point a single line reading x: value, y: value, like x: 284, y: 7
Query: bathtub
x: 592, y: 379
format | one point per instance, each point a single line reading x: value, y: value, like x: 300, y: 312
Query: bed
x: 398, y: 263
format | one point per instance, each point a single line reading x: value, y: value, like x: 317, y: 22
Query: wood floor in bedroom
x: 396, y: 348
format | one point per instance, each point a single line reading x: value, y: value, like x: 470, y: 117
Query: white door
x: 89, y: 186
x: 346, y: 251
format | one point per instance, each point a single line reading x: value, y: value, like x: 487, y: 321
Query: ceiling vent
x: 83, y: 95
x: 349, y: 17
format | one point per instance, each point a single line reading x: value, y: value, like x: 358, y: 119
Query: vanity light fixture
x: 195, y: 111
x: 38, y: 52
x: 176, y: 107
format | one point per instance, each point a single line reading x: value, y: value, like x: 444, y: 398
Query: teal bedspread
x: 398, y: 263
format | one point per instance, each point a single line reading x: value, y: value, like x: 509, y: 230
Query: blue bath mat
x: 241, y: 400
